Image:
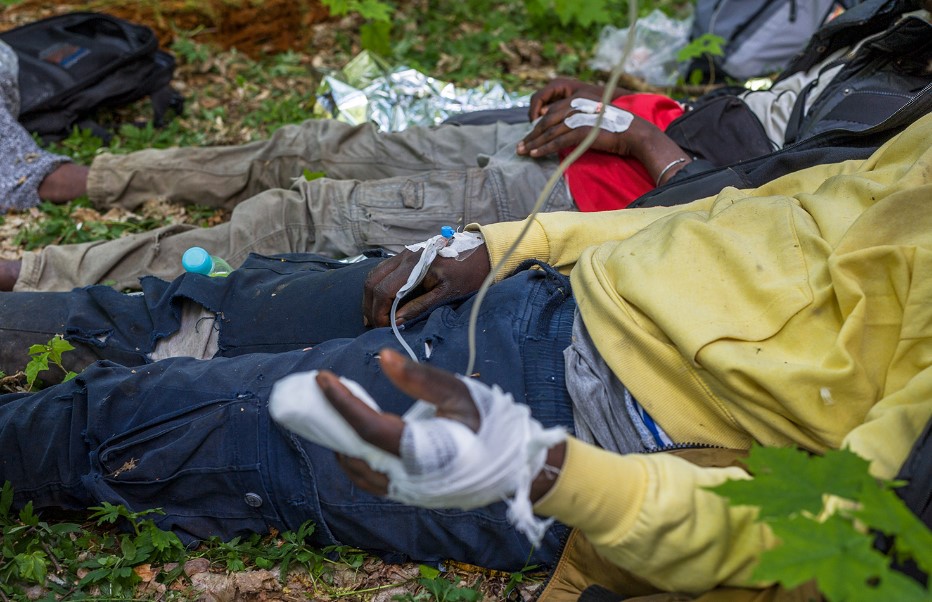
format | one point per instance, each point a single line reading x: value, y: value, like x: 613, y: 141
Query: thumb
x: 439, y: 387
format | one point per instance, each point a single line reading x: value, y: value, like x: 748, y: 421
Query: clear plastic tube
x: 545, y: 193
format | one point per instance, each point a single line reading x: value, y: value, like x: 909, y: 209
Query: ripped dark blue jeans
x: 194, y: 438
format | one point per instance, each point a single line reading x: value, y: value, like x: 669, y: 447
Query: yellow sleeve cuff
x: 596, y: 491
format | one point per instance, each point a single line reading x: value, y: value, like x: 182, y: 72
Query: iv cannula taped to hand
x: 429, y: 253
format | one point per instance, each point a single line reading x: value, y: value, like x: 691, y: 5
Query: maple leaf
x: 788, y: 481
x: 884, y: 511
x: 839, y: 557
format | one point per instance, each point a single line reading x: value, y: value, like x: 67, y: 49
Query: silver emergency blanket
x: 394, y: 98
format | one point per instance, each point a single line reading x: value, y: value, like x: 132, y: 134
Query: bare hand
x: 559, y: 89
x: 446, y: 279
x: 420, y: 381
x: 551, y: 134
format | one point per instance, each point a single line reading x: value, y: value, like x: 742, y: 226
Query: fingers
x: 381, y: 430
x: 548, y: 128
x: 542, y: 98
x: 381, y: 286
x: 437, y: 386
x: 362, y: 476
x: 555, y: 90
x: 411, y: 308
x: 553, y: 139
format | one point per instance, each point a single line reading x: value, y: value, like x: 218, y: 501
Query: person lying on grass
x: 387, y: 190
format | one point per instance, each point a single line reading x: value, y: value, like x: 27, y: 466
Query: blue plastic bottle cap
x: 447, y: 231
x: 197, y: 260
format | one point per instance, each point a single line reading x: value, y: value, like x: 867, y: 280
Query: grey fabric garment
x: 9, y: 82
x: 197, y: 336
x: 381, y: 191
x: 23, y: 165
x: 600, y: 408
x: 773, y: 107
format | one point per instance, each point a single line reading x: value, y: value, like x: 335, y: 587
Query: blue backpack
x: 761, y: 36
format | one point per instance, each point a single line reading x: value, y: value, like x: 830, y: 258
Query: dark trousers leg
x: 28, y: 319
x: 194, y: 437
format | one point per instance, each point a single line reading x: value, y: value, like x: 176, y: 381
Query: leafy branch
x: 794, y: 492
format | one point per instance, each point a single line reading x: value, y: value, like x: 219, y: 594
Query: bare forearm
x: 659, y: 154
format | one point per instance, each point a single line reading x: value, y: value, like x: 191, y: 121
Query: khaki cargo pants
x: 381, y: 191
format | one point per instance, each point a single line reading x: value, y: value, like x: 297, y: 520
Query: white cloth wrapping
x: 443, y: 464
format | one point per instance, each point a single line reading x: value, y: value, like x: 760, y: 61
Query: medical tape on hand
x: 456, y: 247
x: 459, y: 247
x: 446, y: 465
x: 443, y: 463
x: 614, y: 120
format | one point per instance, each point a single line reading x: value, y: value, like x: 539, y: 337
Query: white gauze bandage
x: 614, y: 120
x: 443, y: 463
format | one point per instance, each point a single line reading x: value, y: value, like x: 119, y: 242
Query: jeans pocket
x: 201, y: 467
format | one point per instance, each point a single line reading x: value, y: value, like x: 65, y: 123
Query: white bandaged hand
x: 443, y: 463
x: 614, y: 120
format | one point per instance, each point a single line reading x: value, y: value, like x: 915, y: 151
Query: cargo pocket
x: 200, y: 466
x: 392, y: 214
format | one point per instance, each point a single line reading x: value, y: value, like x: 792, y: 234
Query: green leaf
x: 106, y: 513
x: 32, y: 566
x: 164, y: 540
x: 27, y: 516
x: 58, y: 345
x: 37, y: 364
x: 264, y: 563
x: 313, y: 175
x: 6, y: 500
x: 94, y: 576
x: 428, y: 572
x: 830, y: 551
x: 128, y: 548
x: 788, y: 481
x: 376, y: 36
x: 374, y: 10
x: 584, y: 13
x: 883, y: 510
x: 707, y: 43
x: 64, y: 528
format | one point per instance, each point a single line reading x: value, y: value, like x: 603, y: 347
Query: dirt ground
x: 252, y: 27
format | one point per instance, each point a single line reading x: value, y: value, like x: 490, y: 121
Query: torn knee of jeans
x: 197, y: 335
x: 92, y: 338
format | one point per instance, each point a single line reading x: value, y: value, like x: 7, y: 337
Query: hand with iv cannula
x: 446, y: 279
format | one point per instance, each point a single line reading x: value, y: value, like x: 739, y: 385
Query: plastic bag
x: 658, y: 40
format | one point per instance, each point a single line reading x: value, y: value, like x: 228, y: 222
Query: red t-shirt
x: 600, y: 181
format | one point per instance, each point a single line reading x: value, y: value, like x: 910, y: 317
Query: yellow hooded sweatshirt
x: 799, y: 313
